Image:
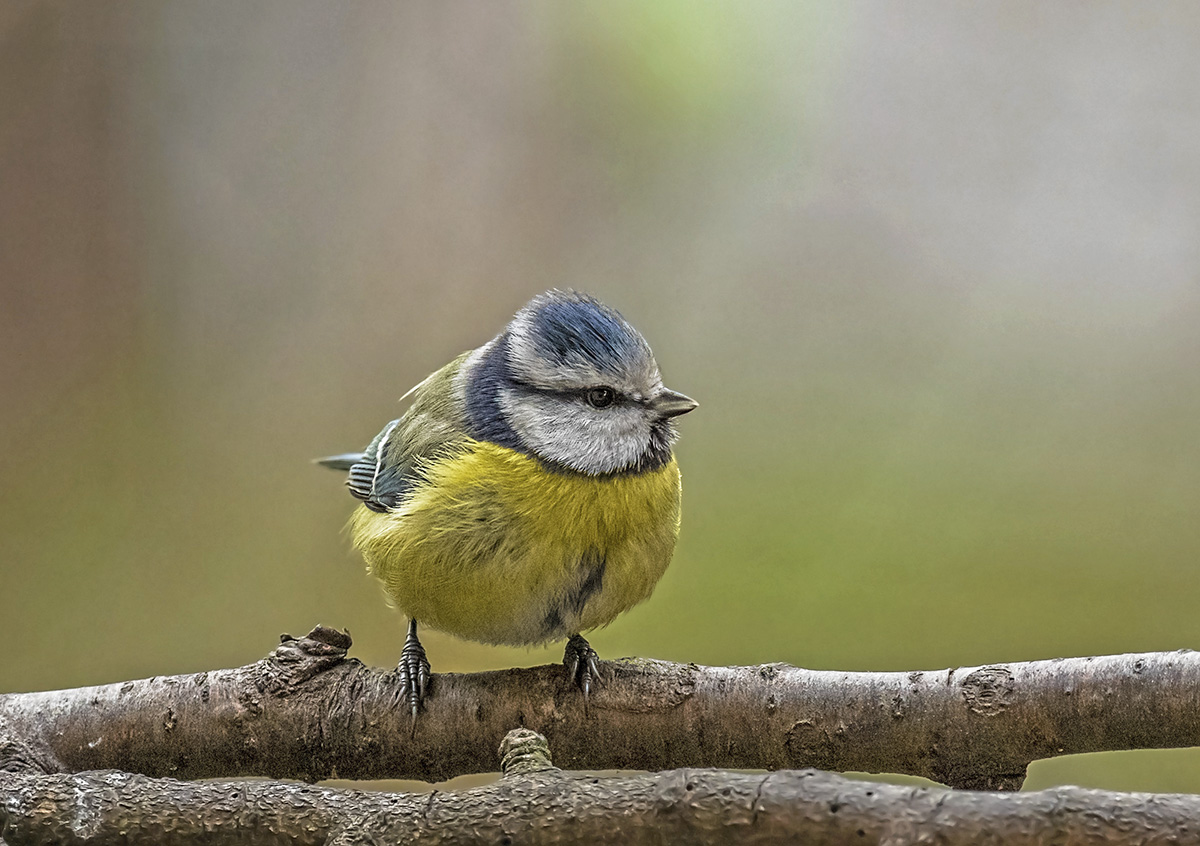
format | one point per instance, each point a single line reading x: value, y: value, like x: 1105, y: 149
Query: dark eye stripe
x: 572, y: 393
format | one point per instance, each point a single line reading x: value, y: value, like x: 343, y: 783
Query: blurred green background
x: 932, y: 270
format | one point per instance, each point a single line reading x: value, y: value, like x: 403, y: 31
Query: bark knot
x: 989, y: 690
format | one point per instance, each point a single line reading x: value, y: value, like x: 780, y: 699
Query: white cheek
x: 593, y: 441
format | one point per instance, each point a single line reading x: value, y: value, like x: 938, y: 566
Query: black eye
x: 601, y: 397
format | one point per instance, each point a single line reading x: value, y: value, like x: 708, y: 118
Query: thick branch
x: 547, y: 806
x: 307, y: 712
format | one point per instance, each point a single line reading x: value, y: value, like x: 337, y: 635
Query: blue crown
x: 568, y: 325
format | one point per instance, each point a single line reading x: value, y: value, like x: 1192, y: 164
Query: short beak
x: 671, y: 404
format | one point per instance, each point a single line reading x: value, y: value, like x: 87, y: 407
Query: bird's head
x: 579, y: 387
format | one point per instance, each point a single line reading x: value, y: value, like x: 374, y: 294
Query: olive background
x: 931, y: 269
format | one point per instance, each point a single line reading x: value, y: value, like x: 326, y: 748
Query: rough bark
x: 308, y: 712
x: 536, y: 804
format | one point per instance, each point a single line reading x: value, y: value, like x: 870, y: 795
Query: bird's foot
x: 582, y: 664
x: 414, y: 672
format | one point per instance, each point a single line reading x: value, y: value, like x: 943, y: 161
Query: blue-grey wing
x: 378, y: 479
x: 375, y: 476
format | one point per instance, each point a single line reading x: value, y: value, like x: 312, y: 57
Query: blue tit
x: 529, y: 493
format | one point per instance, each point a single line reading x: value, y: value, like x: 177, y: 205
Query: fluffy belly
x: 495, y: 548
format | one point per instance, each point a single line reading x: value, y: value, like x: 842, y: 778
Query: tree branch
x: 308, y: 712
x: 535, y: 803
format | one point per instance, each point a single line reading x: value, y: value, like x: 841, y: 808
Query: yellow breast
x: 494, y: 547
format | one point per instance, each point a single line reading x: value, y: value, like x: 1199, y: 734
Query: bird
x: 530, y: 491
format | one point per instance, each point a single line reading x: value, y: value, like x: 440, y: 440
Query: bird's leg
x: 414, y: 671
x: 582, y: 664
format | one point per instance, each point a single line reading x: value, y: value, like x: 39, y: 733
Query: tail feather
x: 340, y: 462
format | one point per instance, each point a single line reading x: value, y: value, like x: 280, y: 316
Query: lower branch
x: 535, y: 803
x: 308, y: 712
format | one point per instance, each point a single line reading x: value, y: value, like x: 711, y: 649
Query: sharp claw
x: 414, y: 673
x: 583, y: 666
